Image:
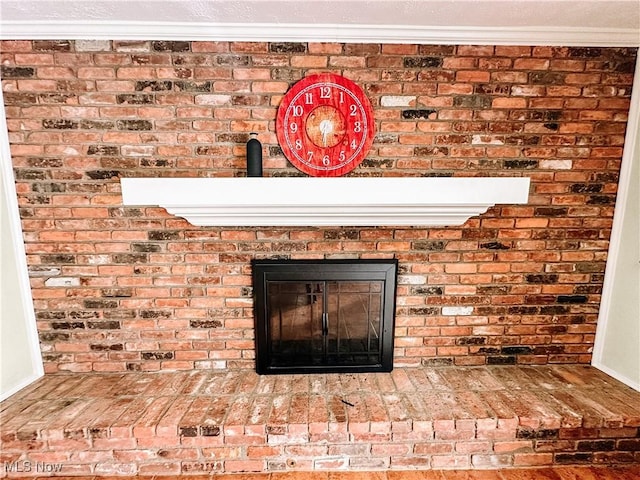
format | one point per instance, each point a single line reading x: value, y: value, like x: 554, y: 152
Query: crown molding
x: 291, y: 32
x: 309, y: 201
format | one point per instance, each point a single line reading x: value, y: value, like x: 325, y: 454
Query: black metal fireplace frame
x: 327, y: 270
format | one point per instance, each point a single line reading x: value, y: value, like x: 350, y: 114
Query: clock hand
x: 326, y: 127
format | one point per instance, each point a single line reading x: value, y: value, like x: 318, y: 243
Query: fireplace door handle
x: 325, y: 324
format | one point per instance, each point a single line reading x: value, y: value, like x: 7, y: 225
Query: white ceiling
x: 613, y: 21
x: 561, y: 13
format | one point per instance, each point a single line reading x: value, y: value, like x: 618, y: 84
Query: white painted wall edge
x: 24, y: 383
x: 292, y: 32
x: 621, y: 378
x: 631, y: 152
x: 17, y: 245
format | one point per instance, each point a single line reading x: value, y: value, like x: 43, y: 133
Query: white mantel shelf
x: 308, y: 201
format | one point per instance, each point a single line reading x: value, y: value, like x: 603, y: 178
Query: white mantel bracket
x: 308, y: 201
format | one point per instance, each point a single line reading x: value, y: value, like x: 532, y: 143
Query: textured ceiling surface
x: 603, y: 14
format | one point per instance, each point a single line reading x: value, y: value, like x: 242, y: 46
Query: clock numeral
x: 353, y: 110
x: 325, y: 91
x: 308, y: 98
x: 357, y: 127
x: 309, y: 156
x: 293, y: 127
x: 298, y: 144
x: 341, y: 96
x: 326, y: 161
x: 342, y: 156
x: 297, y: 110
x: 354, y: 145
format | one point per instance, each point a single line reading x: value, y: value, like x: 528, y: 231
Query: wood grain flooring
x: 558, y: 473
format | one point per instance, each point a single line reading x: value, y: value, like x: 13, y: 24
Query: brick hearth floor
x: 203, y: 422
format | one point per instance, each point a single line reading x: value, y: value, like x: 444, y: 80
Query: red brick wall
x: 120, y: 288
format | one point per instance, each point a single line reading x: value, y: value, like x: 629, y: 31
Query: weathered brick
x: 59, y: 124
x: 528, y: 433
x: 499, y: 359
x: 573, y: 458
x: 171, y: 46
x: 543, y: 112
x: 107, y: 325
x: 103, y: 150
x: 596, y: 445
x: 134, y: 125
x: 161, y: 356
x: 631, y: 444
x: 520, y: 164
x: 472, y: 101
x: 102, y: 174
x: 287, y: 47
x: 52, y: 45
x: 422, y: 62
x: 205, y: 323
x: 419, y: 113
x: 18, y: 72
x: 572, y: 298
x: 134, y: 99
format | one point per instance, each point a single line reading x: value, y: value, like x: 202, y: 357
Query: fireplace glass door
x: 324, y: 316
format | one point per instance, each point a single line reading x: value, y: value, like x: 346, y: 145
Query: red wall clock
x: 325, y: 125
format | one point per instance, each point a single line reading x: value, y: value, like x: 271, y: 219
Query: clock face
x: 325, y: 125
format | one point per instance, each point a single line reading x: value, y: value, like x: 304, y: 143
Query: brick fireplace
x: 133, y: 297
x: 120, y: 288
